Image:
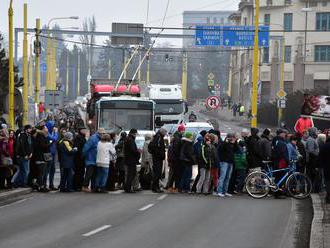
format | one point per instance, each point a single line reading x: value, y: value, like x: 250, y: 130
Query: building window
x: 323, y: 21
x: 322, y: 53
x: 288, y: 21
x: 324, y: 4
x: 208, y: 20
x: 267, y: 19
x: 245, y: 21
x: 214, y: 20
x: 222, y: 20
x: 288, y: 2
x: 269, y: 2
x: 287, y: 54
x: 265, y: 58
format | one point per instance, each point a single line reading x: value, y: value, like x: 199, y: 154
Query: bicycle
x: 258, y: 184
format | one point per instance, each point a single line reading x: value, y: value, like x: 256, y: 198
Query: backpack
x: 152, y: 146
x: 170, y: 153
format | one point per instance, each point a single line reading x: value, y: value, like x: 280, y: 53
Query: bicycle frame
x: 270, y: 172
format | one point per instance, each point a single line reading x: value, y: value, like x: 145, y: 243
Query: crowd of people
x: 104, y: 162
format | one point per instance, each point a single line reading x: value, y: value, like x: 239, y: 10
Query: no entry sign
x: 213, y: 102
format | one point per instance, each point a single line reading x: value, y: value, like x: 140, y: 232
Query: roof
x: 124, y: 97
x: 198, y: 124
x: 212, y: 12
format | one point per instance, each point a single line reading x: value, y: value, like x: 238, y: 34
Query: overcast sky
x: 107, y: 11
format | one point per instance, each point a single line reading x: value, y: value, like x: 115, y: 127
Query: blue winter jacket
x: 292, y: 151
x: 90, y: 150
x: 52, y: 136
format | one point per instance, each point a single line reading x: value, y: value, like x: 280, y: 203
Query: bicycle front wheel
x: 298, y: 185
x: 257, y: 184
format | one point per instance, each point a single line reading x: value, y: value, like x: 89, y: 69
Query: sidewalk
x: 320, y: 231
x: 9, y: 194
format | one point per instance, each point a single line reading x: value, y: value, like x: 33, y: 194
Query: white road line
x: 97, y: 230
x: 14, y: 203
x: 162, y: 197
x: 146, y: 207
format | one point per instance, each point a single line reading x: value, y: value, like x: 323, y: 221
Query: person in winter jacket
x: 240, y: 166
x: 157, y: 151
x: 23, y: 153
x: 176, y: 169
x: 187, y: 159
x: 206, y: 159
x: 146, y: 165
x: 131, y: 158
x: 312, y: 152
x: 226, y: 157
x: 112, y: 173
x: 79, y: 170
x: 89, y: 153
x: 292, y: 149
x: 5, y: 167
x: 53, y: 138
x: 120, y: 163
x: 324, y: 159
x: 68, y: 152
x: 303, y: 124
x: 106, y: 152
x: 264, y: 147
x: 252, y: 149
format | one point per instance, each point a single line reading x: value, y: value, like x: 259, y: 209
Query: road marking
x: 146, y: 207
x: 162, y: 197
x: 97, y: 230
x: 14, y: 203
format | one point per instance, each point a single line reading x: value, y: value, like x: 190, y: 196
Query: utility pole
x: 148, y: 69
x: 48, y: 61
x: 139, y: 74
x: 25, y: 71
x: 109, y: 70
x: 37, y: 62
x: 280, y: 110
x: 184, y: 75
x: 78, y: 76
x: 67, y: 74
x: 254, y: 102
x: 31, y: 71
x: 54, y: 65
x: 11, y: 67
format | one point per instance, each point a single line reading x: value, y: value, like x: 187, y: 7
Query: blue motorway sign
x: 229, y: 36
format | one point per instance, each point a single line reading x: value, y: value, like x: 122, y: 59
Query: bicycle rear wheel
x: 298, y: 185
x: 257, y: 184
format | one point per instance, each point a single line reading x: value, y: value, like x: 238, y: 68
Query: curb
x: 317, y: 231
x: 14, y: 193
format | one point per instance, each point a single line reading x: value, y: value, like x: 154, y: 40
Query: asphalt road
x: 144, y: 220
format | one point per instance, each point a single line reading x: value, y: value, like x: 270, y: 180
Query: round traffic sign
x: 213, y: 102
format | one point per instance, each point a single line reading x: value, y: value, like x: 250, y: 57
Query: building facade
x: 299, y: 38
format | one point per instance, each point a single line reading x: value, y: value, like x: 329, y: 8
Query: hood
x: 50, y: 125
x: 313, y: 132
x: 200, y: 138
x: 254, y: 131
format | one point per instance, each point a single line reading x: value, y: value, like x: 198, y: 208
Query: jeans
x: 226, y: 170
x: 45, y: 173
x: 204, y: 181
x: 66, y: 179
x: 51, y: 172
x: 101, y: 177
x: 186, y: 177
x: 21, y: 176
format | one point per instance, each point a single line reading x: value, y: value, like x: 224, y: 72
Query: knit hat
x: 4, y: 126
x: 181, y: 128
x: 266, y: 132
x: 68, y: 136
x: 188, y: 135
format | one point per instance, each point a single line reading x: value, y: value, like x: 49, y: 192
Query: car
x: 197, y: 127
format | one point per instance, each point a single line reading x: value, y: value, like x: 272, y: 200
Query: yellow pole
x: 78, y: 76
x: 31, y: 72
x: 254, y: 99
x: 280, y: 110
x: 11, y: 67
x: 25, y: 71
x: 148, y: 70
x: 37, y: 65
x: 54, y: 65
x: 67, y: 74
x: 184, y: 76
x: 48, y: 59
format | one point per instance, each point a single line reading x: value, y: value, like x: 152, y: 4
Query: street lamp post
x: 306, y: 10
x: 11, y: 67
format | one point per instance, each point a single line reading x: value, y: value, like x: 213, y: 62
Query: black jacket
x: 40, y: 146
x: 187, y: 152
x: 207, y: 156
x: 324, y: 159
x: 176, y: 143
x: 131, y: 152
x: 79, y: 142
x: 264, y: 148
x: 159, y: 147
x: 226, y: 152
x: 252, y: 151
x: 24, y: 145
x: 279, y: 150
